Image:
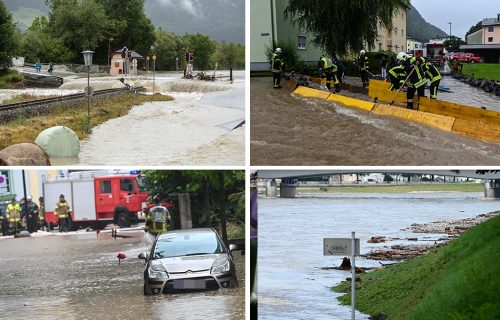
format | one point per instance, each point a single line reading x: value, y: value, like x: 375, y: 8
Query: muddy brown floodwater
x: 289, y: 130
x: 78, y: 277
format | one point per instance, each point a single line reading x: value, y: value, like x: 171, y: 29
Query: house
x: 269, y: 27
x: 486, y: 41
x: 127, y: 65
x: 412, y: 43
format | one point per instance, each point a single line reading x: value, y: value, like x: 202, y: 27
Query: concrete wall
x: 475, y: 37
x: 260, y: 33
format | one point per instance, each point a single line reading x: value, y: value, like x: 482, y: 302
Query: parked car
x: 466, y: 57
x: 188, y: 260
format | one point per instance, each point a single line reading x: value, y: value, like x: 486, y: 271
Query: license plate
x: 189, y: 284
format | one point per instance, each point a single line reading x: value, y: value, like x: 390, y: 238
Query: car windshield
x: 185, y: 244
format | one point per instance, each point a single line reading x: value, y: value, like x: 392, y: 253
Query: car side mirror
x: 143, y: 255
x: 233, y: 247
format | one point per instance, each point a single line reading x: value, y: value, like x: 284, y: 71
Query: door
x: 127, y: 193
x: 104, y: 198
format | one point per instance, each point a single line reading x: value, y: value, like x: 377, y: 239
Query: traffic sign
x: 154, y: 57
x: 339, y: 247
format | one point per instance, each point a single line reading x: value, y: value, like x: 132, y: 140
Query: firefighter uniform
x: 433, y: 74
x: 63, y: 211
x: 4, y: 224
x: 329, y: 73
x: 42, y: 214
x: 158, y: 220
x: 277, y: 65
x: 30, y: 212
x: 13, y: 214
x: 397, y: 75
x: 364, y: 66
x: 416, y: 82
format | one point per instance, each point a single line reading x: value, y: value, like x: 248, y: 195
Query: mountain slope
x: 420, y: 29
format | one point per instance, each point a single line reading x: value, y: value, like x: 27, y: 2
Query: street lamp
x: 87, y: 57
x: 450, y: 29
x: 154, y: 67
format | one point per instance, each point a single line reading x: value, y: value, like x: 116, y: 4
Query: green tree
x: 8, y: 38
x: 202, y: 47
x: 80, y: 24
x: 229, y: 55
x: 340, y: 26
x: 38, y: 45
x: 169, y: 46
x: 453, y: 44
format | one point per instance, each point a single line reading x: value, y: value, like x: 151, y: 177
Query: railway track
x: 40, y: 102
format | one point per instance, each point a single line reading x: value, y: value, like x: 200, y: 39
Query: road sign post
x: 344, y: 247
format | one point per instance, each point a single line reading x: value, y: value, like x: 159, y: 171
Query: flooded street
x: 289, y: 130
x: 291, y: 231
x: 78, y: 277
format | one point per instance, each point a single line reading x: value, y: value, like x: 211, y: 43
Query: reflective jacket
x: 417, y: 77
x: 158, y: 219
x: 13, y: 212
x: 397, y: 76
x: 62, y: 209
x: 276, y: 63
x: 363, y: 62
x: 431, y: 72
x: 327, y: 65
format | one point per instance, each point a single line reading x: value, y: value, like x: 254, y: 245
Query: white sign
x: 339, y: 247
x: 190, y: 69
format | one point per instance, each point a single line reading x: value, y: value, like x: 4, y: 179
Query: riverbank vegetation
x: 489, y: 71
x: 9, y: 79
x: 400, y: 188
x: 457, y: 281
x: 25, y: 129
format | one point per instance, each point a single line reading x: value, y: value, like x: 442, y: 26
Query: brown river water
x: 78, y: 277
x: 290, y: 130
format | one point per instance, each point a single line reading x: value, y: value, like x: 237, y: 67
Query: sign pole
x: 353, y: 277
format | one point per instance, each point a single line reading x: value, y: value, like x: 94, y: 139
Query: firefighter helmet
x: 278, y: 50
x: 401, y: 57
x: 156, y: 199
x: 29, y: 198
x: 362, y: 52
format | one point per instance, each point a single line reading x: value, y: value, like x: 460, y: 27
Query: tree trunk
x: 185, y: 211
x: 223, y: 208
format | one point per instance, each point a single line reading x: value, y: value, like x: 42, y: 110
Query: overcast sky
x: 461, y: 13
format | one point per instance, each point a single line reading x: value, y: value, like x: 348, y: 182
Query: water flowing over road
x: 78, y: 277
x: 289, y: 130
x: 291, y: 231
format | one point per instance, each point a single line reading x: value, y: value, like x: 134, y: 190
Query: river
x: 78, y: 277
x: 291, y: 231
x: 290, y: 130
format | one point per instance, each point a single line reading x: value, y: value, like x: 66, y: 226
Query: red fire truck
x: 97, y: 200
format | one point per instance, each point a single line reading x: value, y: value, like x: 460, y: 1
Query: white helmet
x: 278, y: 50
x: 29, y: 198
x: 362, y: 52
x: 401, y: 57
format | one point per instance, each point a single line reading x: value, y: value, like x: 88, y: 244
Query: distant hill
x: 219, y: 19
x: 420, y: 29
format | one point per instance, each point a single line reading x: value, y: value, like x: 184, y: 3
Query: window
x: 126, y: 185
x: 105, y: 186
x: 5, y: 180
x: 396, y: 30
x: 403, y: 32
x: 380, y: 46
x: 301, y: 42
x: 490, y: 29
x: 490, y: 39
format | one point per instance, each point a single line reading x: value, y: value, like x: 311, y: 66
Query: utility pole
x: 109, y: 50
x: 450, y: 29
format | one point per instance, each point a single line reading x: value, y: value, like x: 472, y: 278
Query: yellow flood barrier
x: 351, y: 102
x: 386, y: 95
x: 478, y: 129
x: 311, y: 93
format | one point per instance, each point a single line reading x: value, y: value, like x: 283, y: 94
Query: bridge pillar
x: 271, y: 188
x: 492, y: 189
x: 288, y: 188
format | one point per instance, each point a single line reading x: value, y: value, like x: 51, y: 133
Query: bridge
x: 289, y: 178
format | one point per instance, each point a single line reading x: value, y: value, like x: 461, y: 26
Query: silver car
x: 188, y: 260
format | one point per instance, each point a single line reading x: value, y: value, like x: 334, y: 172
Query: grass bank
x: 457, y: 281
x: 102, y: 109
x: 423, y: 187
x: 24, y: 97
x: 482, y: 70
x: 9, y: 78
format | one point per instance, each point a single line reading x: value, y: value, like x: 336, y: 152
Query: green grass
x: 427, y: 187
x: 8, y: 78
x: 458, y: 281
x: 482, y: 70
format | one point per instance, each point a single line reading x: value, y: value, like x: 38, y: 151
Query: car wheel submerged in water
x: 188, y: 260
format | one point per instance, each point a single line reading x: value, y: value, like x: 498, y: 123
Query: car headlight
x: 221, y: 265
x: 157, y: 270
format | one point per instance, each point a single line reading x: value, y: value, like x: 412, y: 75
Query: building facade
x: 269, y: 27
x: 486, y: 41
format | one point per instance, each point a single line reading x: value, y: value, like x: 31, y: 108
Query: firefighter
x: 364, y: 67
x: 4, y: 223
x: 14, y: 216
x: 63, y: 210
x: 397, y: 74
x: 277, y: 66
x: 328, y: 73
x: 30, y: 212
x: 433, y: 74
x: 416, y: 81
x: 41, y: 221
x: 158, y: 218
